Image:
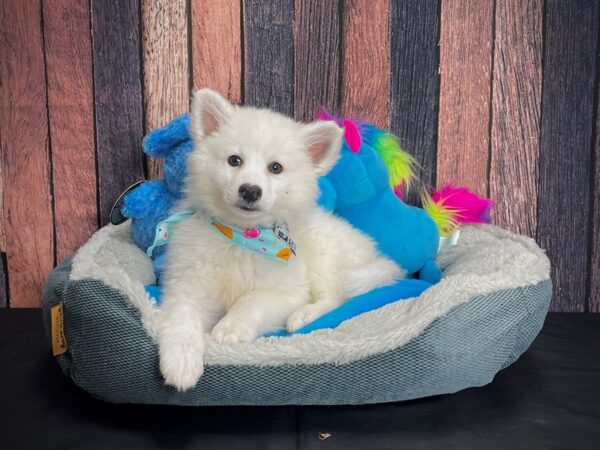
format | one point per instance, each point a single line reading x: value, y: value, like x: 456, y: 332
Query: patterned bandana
x: 163, y: 229
x: 271, y: 242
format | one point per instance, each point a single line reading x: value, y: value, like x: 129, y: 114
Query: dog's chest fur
x: 232, y: 271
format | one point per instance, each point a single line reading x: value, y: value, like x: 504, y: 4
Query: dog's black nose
x: 250, y: 192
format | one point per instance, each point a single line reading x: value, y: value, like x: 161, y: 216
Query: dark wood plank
x: 24, y: 153
x: 516, y: 102
x: 366, y: 62
x: 217, y: 46
x: 465, y: 71
x: 415, y: 82
x: 118, y: 98
x: 594, y: 275
x: 3, y: 283
x: 166, y: 68
x: 2, y: 233
x: 68, y: 48
x: 269, y: 54
x: 317, y: 58
x: 564, y: 178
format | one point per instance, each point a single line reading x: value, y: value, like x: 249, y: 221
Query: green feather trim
x: 399, y: 163
x: 443, y: 216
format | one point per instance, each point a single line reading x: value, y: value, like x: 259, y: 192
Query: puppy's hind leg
x: 327, y: 293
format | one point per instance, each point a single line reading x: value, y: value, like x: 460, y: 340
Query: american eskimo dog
x: 259, y: 253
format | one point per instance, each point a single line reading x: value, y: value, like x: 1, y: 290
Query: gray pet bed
x: 459, y: 333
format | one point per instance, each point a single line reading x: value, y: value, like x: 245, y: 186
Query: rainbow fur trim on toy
x: 448, y: 208
x: 399, y: 163
x: 452, y: 206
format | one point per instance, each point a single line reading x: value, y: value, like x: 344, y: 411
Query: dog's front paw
x: 232, y: 332
x: 181, y: 362
x: 303, y: 316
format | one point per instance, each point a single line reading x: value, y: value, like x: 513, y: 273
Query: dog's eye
x: 275, y: 167
x: 234, y: 161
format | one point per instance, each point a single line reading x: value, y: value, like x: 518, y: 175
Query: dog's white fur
x: 211, y: 284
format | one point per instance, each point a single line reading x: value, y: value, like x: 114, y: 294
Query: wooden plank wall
x: 466, y: 43
x: 269, y: 54
x: 415, y: 82
x: 71, y: 119
x: 117, y: 98
x: 165, y: 64
x: 516, y: 107
x: 570, y: 66
x: 497, y: 95
x: 27, y: 216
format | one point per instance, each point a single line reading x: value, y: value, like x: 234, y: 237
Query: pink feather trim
x: 399, y: 191
x: 466, y: 206
x: 352, y: 136
x: 351, y: 129
x: 323, y: 114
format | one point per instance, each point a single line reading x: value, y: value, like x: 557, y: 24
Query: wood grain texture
x: 465, y: 71
x: 594, y: 275
x: 2, y: 233
x: 166, y: 67
x: 118, y: 98
x: 516, y: 103
x: 317, y: 58
x: 566, y: 143
x: 217, y: 46
x: 366, y: 61
x: 70, y: 110
x: 24, y: 157
x: 3, y: 284
x: 414, y: 83
x: 269, y: 54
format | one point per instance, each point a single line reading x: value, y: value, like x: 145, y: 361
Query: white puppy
x: 251, y: 169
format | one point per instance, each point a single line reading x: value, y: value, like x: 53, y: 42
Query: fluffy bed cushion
x: 459, y: 333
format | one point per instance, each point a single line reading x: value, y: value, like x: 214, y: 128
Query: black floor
x: 550, y: 398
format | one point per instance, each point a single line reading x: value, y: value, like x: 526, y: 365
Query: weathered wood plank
x: 566, y: 143
x: 2, y: 233
x: 24, y: 154
x: 3, y: 284
x: 269, y: 54
x: 594, y: 293
x: 414, y: 83
x: 317, y: 58
x: 118, y: 98
x: 166, y: 68
x: 70, y: 109
x: 217, y: 46
x: 516, y: 102
x: 465, y: 85
x: 366, y: 62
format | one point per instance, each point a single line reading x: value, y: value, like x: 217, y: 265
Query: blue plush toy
x: 152, y: 202
x: 367, y: 183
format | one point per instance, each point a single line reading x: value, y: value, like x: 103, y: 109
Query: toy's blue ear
x: 160, y: 142
x: 175, y: 168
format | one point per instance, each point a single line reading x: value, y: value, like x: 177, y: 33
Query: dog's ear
x: 210, y: 110
x: 323, y: 141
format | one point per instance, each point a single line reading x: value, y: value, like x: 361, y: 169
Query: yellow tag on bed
x: 59, y: 342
